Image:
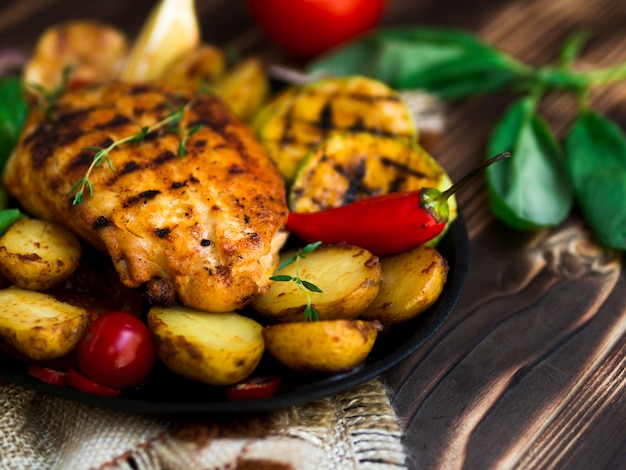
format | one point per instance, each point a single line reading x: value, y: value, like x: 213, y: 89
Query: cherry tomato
x: 81, y: 383
x: 306, y: 28
x: 116, y: 351
x: 254, y: 388
x: 51, y: 376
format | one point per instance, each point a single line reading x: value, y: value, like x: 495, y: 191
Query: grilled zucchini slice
x: 352, y: 166
x: 303, y: 116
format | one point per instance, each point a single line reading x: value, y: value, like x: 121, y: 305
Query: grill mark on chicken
x: 116, y: 121
x: 132, y: 166
x: 85, y: 157
x: 46, y: 139
x: 145, y: 196
x: 101, y: 222
x: 129, y: 167
x: 162, y: 232
x: 164, y: 157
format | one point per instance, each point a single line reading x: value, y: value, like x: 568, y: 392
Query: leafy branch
x: 48, y: 98
x: 305, y: 286
x: 171, y: 124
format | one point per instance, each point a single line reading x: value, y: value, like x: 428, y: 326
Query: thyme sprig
x: 48, y: 98
x: 171, y: 123
x: 305, y: 286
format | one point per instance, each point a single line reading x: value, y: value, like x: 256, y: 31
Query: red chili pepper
x: 51, y: 376
x: 384, y: 224
x: 254, y: 388
x: 81, y: 383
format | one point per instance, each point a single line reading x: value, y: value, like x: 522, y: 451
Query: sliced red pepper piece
x: 45, y: 374
x: 254, y: 388
x: 81, y: 383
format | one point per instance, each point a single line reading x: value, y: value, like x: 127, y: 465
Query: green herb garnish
x: 48, y: 98
x: 13, y: 113
x: 171, y: 123
x: 7, y: 218
x: 305, y: 286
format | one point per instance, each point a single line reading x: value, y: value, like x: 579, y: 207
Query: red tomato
x: 254, y: 388
x: 117, y: 351
x: 306, y: 28
x: 45, y: 374
x: 79, y: 382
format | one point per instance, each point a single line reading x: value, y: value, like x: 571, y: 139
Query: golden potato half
x: 412, y: 282
x: 37, y: 255
x: 329, y: 347
x: 38, y: 325
x: 214, y: 348
x: 349, y: 277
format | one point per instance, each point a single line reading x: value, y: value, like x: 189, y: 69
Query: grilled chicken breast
x: 194, y: 210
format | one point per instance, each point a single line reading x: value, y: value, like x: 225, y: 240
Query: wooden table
x: 530, y: 370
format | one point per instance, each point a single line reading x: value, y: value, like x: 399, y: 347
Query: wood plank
x: 529, y: 371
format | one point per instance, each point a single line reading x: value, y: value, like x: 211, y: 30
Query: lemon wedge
x: 170, y: 31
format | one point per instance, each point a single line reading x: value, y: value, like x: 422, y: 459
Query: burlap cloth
x: 357, y: 429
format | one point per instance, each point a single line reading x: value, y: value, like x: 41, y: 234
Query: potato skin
x: 412, y: 282
x: 213, y: 348
x: 38, y: 325
x: 330, y: 346
x: 37, y: 255
x: 244, y: 88
x: 349, y: 277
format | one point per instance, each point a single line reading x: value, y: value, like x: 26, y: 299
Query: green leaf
x: 531, y: 189
x: 281, y: 277
x: 596, y: 160
x: 601, y: 199
x: 287, y: 262
x: 310, y: 247
x: 7, y: 218
x: 572, y: 47
x: 310, y: 286
x: 453, y: 64
x: 13, y: 113
x: 593, y: 142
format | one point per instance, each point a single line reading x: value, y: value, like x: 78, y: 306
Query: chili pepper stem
x: 435, y: 202
x: 463, y: 181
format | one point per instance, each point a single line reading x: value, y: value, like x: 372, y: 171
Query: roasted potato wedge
x: 244, y: 88
x: 411, y: 282
x: 214, y: 348
x: 203, y: 66
x: 38, y: 325
x: 37, y: 255
x: 348, y: 276
x: 330, y: 346
x: 93, y: 51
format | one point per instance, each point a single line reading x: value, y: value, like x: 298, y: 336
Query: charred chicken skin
x: 194, y: 217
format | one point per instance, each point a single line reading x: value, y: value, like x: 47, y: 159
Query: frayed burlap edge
x: 357, y: 429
